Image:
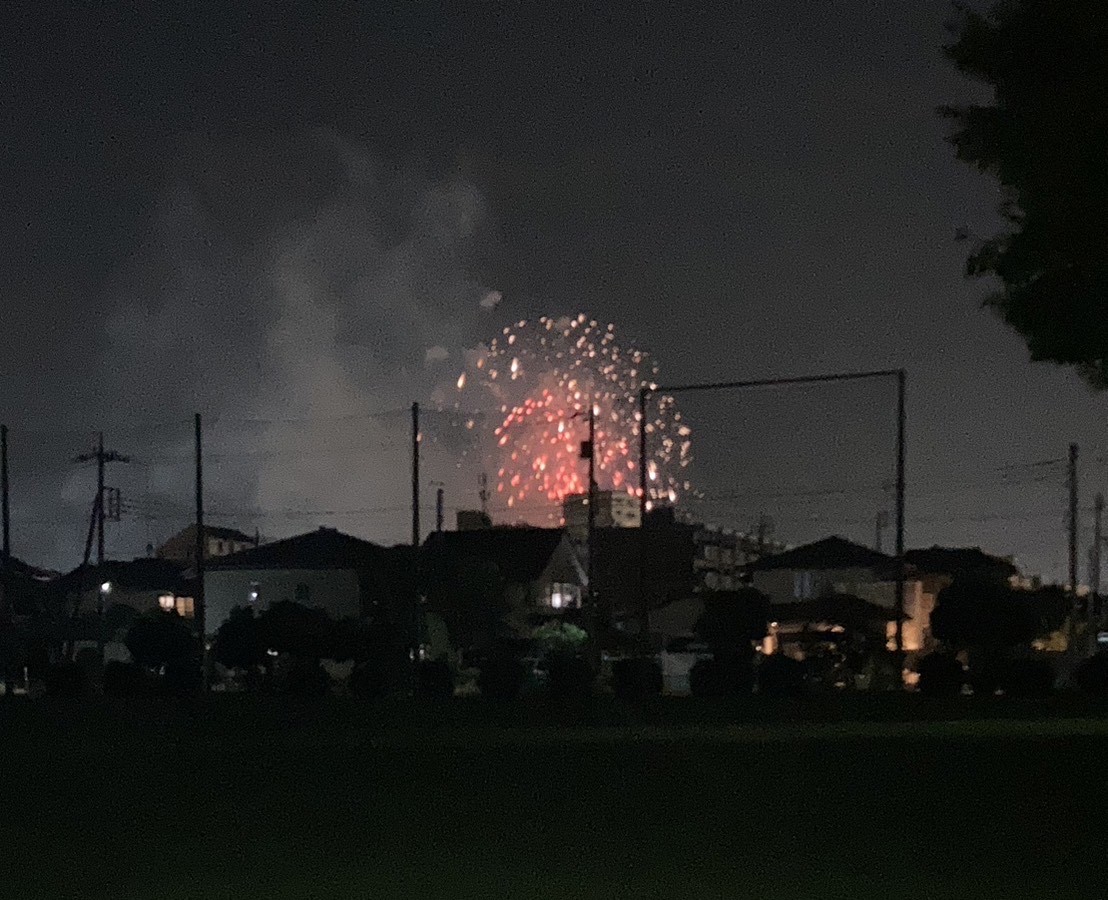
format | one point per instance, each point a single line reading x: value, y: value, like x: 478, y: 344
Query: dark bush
x: 1091, y: 676
x: 435, y: 679
x: 985, y: 673
x: 501, y: 677
x: 182, y: 677
x: 369, y: 681
x: 633, y: 679
x: 781, y: 676
x: 940, y: 675
x: 570, y: 676
x: 706, y: 679
x: 157, y: 639
x: 301, y: 675
x: 66, y: 680
x: 725, y: 675
x: 238, y: 643
x: 1027, y: 678
x: 125, y: 679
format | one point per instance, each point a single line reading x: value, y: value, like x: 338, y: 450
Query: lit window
x: 186, y: 607
x: 167, y: 602
x: 255, y: 589
x: 565, y: 596
x: 804, y: 585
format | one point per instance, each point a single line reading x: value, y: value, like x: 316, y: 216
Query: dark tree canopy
x: 159, y: 639
x: 1044, y: 136
x: 238, y: 643
x: 991, y: 616
x: 732, y: 619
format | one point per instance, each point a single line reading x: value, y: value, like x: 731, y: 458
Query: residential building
x: 473, y: 520
x: 835, y: 565
x: 652, y: 565
x: 142, y: 584
x: 614, y: 509
x: 720, y: 554
x: 24, y: 589
x: 341, y: 574
x: 218, y: 542
x: 539, y: 567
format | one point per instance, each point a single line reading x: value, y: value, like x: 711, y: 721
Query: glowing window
x: 186, y: 607
x: 565, y: 596
x: 167, y: 602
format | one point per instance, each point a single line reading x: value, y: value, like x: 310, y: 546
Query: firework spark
x: 541, y: 377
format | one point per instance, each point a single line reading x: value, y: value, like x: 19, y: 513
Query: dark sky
x: 270, y: 212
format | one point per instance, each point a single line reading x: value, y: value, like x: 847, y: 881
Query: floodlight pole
x: 901, y: 380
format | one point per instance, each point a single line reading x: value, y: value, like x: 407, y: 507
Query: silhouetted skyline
x: 267, y: 215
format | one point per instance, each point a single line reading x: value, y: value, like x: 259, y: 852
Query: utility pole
x: 438, y: 509
x: 644, y: 607
x: 100, y: 501
x: 415, y: 475
x: 1072, y: 479
x: 415, y: 640
x: 588, y: 450
x: 102, y: 457
x: 200, y: 612
x: 483, y: 494
x: 1094, y: 574
x: 901, y: 419
x: 4, y: 495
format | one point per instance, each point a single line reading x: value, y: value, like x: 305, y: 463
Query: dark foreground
x: 245, y: 798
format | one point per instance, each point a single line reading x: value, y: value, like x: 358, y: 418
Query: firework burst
x: 541, y: 377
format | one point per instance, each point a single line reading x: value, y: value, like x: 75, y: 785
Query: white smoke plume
x: 300, y: 295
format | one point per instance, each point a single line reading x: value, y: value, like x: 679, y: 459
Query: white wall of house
x: 790, y: 585
x: 334, y: 590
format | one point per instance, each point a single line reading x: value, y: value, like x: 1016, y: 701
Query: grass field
x: 245, y: 798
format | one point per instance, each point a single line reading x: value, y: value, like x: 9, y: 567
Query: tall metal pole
x: 416, y: 622
x: 4, y: 497
x: 199, y: 605
x: 1094, y: 575
x: 591, y: 512
x: 100, y: 499
x: 439, y: 511
x: 901, y: 415
x: 1072, y: 480
x: 415, y: 475
x: 644, y: 608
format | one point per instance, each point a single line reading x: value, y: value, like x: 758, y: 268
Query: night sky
x: 272, y: 217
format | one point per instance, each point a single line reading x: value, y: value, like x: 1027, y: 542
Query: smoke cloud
x: 298, y: 293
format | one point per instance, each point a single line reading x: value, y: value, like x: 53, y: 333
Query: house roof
x: 521, y: 554
x: 228, y: 534
x: 26, y: 587
x: 829, y: 553
x: 215, y: 531
x: 142, y: 574
x: 959, y: 561
x: 837, y: 609
x: 324, y: 548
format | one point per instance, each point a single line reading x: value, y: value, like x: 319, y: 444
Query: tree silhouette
x: 1044, y: 137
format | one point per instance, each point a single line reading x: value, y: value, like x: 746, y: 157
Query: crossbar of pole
x: 901, y: 377
x: 772, y: 382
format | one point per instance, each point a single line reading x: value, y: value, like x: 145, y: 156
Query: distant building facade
x: 836, y: 566
x: 614, y: 509
x: 325, y: 569
x: 218, y: 542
